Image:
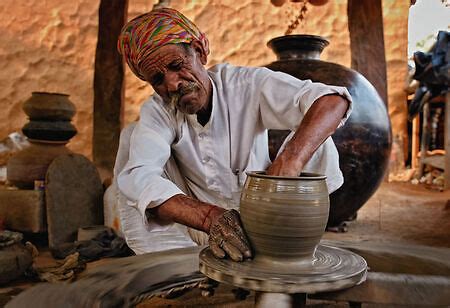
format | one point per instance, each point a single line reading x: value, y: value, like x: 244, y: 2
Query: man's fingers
x: 228, y: 237
x: 232, y: 251
x: 241, y: 244
x: 236, y: 225
x: 216, y: 250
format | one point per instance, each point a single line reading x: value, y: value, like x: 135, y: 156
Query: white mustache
x: 188, y: 88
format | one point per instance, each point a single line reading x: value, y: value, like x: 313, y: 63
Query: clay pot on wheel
x: 363, y: 143
x: 284, y: 217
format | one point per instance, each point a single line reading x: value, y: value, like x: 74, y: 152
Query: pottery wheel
x: 331, y: 269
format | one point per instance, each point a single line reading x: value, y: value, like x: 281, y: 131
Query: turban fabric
x: 146, y: 33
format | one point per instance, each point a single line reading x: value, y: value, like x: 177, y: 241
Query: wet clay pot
x: 284, y: 217
x: 363, y: 143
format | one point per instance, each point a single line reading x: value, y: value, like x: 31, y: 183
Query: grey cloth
x: 106, y: 244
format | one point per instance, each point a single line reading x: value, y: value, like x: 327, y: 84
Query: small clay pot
x: 49, y: 130
x: 31, y: 164
x: 15, y: 258
x: 284, y: 217
x: 49, y: 106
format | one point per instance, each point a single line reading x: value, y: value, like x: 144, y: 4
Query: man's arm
x: 319, y: 123
x: 188, y: 211
x: 226, y: 235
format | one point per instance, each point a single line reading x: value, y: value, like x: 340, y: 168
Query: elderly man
x: 203, y: 129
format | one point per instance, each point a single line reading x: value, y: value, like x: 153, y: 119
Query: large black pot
x: 363, y: 143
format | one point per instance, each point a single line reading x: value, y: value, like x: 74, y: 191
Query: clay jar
x: 363, y: 143
x: 50, y: 115
x: 46, y: 106
x: 31, y: 164
x: 48, y: 131
x: 284, y: 217
x: 15, y: 258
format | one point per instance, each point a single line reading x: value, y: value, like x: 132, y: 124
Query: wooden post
x: 108, y: 83
x: 365, y: 24
x: 415, y: 142
x: 447, y: 141
x: 424, y: 138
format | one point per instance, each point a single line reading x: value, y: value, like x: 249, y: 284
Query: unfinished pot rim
x: 303, y: 176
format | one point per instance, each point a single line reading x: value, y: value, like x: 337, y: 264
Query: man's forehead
x: 163, y: 56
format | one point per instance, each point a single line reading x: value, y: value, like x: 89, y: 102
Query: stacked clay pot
x: 48, y: 131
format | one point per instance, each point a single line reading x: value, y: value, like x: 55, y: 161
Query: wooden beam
x: 108, y: 83
x: 365, y: 24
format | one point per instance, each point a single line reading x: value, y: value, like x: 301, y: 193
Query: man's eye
x: 176, y: 66
x: 157, y: 80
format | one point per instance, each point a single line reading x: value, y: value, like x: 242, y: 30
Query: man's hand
x: 226, y: 236
x: 319, y: 123
x: 285, y: 165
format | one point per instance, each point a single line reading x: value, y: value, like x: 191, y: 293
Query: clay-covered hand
x: 226, y: 236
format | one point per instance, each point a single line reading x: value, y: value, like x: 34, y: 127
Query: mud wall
x: 50, y: 46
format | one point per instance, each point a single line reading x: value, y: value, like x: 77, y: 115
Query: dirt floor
x: 396, y: 213
x: 402, y: 212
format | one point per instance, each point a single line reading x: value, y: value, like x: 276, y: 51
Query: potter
x: 180, y: 171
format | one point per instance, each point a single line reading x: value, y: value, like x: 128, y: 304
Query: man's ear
x: 199, y: 49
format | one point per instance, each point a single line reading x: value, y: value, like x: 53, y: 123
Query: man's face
x: 179, y: 77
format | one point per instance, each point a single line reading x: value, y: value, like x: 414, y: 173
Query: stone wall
x: 49, y: 45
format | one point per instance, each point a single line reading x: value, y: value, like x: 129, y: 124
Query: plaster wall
x: 49, y: 45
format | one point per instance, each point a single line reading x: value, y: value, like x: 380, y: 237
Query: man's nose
x: 173, y: 82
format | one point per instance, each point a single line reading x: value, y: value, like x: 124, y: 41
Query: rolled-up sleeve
x: 141, y: 179
x: 285, y: 100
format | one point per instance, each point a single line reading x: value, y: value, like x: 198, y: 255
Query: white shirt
x: 214, y: 158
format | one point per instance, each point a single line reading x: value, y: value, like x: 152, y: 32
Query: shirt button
x: 206, y: 159
x: 201, y: 135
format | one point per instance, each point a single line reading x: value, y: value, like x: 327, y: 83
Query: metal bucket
x: 284, y: 217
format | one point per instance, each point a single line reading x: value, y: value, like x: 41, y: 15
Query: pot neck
x: 301, y: 46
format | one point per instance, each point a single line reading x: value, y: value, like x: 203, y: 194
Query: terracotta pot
x: 364, y: 142
x: 49, y: 106
x: 284, y: 217
x: 31, y: 164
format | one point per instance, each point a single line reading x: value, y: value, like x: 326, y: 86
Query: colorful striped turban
x: 146, y: 33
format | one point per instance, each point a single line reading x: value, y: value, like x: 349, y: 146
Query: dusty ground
x: 402, y: 212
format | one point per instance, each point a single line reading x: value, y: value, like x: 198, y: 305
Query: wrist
x: 295, y: 158
x: 214, y: 212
